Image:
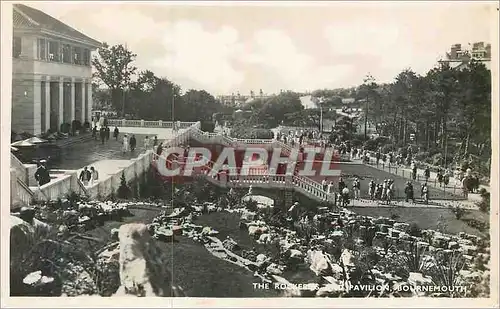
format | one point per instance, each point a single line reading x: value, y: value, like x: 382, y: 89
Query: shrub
x: 458, y: 212
x: 251, y: 205
x: 65, y: 127
x: 422, y: 156
x: 207, y: 126
x: 254, y: 133
x: 415, y: 230
x: 370, y: 145
x: 123, y: 191
x: 388, y: 148
x: 484, y: 204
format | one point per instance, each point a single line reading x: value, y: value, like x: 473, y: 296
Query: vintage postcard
x: 249, y: 154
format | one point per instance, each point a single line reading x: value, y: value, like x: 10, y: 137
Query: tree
x: 123, y: 190
x: 199, y: 105
x: 114, y: 68
x: 153, y: 98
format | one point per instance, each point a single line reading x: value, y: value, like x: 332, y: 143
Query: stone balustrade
x: 58, y: 188
x: 148, y: 123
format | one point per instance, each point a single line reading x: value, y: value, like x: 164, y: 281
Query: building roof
x: 28, y: 17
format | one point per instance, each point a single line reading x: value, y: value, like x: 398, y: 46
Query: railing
x: 258, y: 178
x: 110, y: 183
x: 19, y: 167
x: 23, y: 192
x: 148, y: 123
x: 453, y: 188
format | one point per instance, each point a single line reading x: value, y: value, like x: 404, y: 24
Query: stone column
x: 89, y: 100
x: 47, y: 103
x: 73, y: 104
x: 37, y: 105
x: 83, y: 112
x: 61, y: 102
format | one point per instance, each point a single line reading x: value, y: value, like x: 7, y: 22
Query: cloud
x: 277, y: 53
x: 201, y: 57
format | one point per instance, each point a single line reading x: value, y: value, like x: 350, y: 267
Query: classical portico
x: 51, y: 76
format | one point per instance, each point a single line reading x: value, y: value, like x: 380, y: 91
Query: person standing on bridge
x: 115, y: 133
x: 146, y: 143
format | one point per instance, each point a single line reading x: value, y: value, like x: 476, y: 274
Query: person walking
x: 409, y: 192
x: 414, y: 170
x: 94, y: 132
x: 371, y: 189
x: 155, y: 141
x: 94, y: 175
x: 115, y: 133
x: 85, y: 176
x: 427, y: 174
x: 108, y: 133
x: 133, y: 143
x: 125, y: 143
x: 356, y: 186
x: 324, y: 184
x: 102, y: 134
x: 146, y: 143
x: 41, y: 174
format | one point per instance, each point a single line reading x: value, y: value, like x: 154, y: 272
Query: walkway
x: 406, y: 172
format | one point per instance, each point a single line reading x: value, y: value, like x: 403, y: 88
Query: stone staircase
x: 73, y: 140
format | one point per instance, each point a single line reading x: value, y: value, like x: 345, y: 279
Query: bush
x: 388, y: 148
x: 207, y: 126
x: 65, y: 127
x: 123, y: 191
x: 415, y: 230
x: 254, y: 133
x: 484, y: 204
x: 422, y: 156
x: 458, y: 212
x: 370, y: 145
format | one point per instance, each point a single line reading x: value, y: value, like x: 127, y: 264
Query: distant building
x: 459, y: 57
x: 51, y: 72
x: 240, y: 100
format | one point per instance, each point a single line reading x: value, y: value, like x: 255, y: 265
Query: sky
x: 229, y: 47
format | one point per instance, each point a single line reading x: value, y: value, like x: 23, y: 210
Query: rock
x: 453, y: 245
x: 261, y: 258
x: 253, y: 230
x: 114, y: 234
x: 347, y: 258
x: 469, y: 250
x: 296, y: 254
x: 177, y: 230
x: 394, y: 233
x: 320, y: 263
x: 143, y: 265
x: 264, y: 238
x: 405, y: 227
x: 274, y: 269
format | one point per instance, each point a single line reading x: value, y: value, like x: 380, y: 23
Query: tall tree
x: 114, y: 67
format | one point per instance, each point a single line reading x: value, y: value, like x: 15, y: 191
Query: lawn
x: 197, y: 271
x: 427, y: 218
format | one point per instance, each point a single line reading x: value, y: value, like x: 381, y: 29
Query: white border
x: 115, y: 302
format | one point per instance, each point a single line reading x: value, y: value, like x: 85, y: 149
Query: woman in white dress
x: 125, y: 143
